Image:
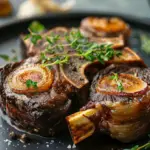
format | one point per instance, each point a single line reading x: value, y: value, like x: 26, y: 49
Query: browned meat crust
x: 42, y: 112
x: 123, y: 117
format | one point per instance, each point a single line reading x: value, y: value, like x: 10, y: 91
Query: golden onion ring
x: 109, y: 25
x: 131, y: 85
x: 34, y: 72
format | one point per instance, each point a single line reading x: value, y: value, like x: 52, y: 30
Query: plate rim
x: 80, y: 14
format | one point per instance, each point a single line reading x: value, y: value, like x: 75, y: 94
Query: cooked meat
x: 38, y: 96
x: 119, y: 105
x: 39, y: 107
x: 29, y: 49
x: 105, y: 27
x: 49, y: 92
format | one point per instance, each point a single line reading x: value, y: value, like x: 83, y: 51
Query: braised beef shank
x: 51, y: 93
x: 38, y: 110
x: 124, y: 115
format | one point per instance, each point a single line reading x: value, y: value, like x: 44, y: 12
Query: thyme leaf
x: 137, y: 147
x: 120, y: 86
x: 119, y: 83
x: 52, y: 39
x: 30, y: 83
x: 58, y: 60
x: 36, y: 27
x: 27, y: 36
x: 35, y: 38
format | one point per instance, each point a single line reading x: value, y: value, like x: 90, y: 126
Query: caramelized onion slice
x: 39, y: 74
x: 109, y: 25
x: 132, y: 86
x: 73, y: 71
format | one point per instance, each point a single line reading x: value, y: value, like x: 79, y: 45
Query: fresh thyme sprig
x: 35, y: 28
x: 30, y: 83
x: 88, y: 50
x: 58, y: 60
x: 119, y: 83
x: 34, y: 37
x: 137, y: 147
x: 52, y: 39
x: 75, y: 40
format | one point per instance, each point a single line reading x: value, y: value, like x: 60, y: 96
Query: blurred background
x: 19, y: 9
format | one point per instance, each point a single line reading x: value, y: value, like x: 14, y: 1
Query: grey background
x: 138, y: 8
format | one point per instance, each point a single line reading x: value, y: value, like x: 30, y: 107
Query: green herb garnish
x: 30, y: 83
x: 34, y: 37
x: 35, y: 28
x: 88, y: 50
x: 75, y: 40
x: 7, y: 58
x: 137, y: 147
x: 58, y: 60
x: 52, y: 39
x: 119, y: 83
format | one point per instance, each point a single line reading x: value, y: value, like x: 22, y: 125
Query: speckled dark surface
x: 9, y: 40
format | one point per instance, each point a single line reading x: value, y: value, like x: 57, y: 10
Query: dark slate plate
x: 9, y: 40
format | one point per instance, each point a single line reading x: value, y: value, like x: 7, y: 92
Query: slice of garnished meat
x: 122, y: 112
x: 37, y: 98
x: 129, y: 85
